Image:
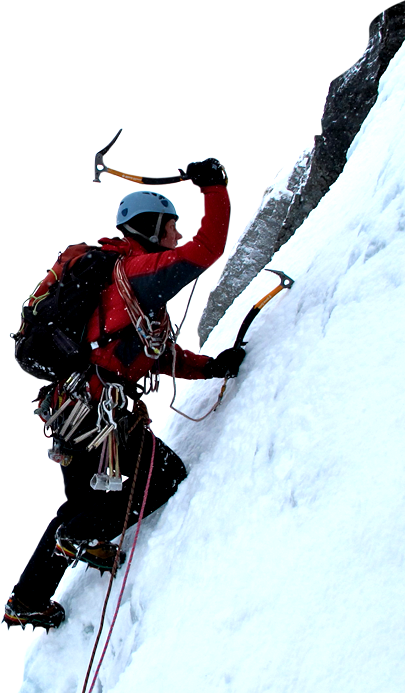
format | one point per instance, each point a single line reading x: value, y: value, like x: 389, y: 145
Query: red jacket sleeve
x: 188, y: 365
x: 157, y: 277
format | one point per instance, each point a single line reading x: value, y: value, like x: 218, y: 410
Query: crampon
x: 19, y: 614
x: 97, y: 554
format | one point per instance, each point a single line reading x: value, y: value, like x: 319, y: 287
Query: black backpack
x: 50, y: 342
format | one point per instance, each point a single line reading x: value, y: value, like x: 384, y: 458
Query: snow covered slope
x: 279, y: 564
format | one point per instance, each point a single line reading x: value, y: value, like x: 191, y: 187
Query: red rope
x: 124, y: 582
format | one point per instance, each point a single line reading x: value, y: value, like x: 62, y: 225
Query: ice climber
x: 130, y: 338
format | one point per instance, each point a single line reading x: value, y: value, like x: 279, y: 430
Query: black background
x: 247, y: 86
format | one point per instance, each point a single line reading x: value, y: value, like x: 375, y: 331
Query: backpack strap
x: 65, y: 259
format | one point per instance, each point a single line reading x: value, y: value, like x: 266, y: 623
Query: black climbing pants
x: 89, y: 514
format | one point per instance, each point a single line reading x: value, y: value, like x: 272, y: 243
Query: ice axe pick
x: 100, y: 167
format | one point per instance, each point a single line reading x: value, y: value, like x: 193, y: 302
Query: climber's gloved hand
x: 226, y: 365
x: 208, y: 172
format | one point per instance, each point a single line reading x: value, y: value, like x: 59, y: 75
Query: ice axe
x: 285, y: 283
x: 100, y: 167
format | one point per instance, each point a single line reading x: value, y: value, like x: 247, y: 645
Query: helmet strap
x: 155, y: 237
x: 152, y: 239
x: 132, y: 231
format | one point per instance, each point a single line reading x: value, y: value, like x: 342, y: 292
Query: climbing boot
x: 97, y: 554
x: 19, y: 614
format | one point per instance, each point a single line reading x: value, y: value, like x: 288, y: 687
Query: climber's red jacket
x: 155, y: 278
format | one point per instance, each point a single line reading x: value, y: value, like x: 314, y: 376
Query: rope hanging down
x: 115, y: 566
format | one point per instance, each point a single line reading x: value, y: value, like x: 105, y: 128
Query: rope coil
x: 152, y: 333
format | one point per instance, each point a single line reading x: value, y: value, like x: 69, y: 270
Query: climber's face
x: 170, y: 236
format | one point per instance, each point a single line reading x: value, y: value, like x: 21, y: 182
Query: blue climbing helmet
x: 145, y: 203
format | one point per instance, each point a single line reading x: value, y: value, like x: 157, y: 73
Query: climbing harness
x: 142, y: 416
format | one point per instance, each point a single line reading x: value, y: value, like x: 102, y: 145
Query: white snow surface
x: 279, y: 564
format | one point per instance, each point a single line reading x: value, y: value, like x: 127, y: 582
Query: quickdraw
x: 108, y: 477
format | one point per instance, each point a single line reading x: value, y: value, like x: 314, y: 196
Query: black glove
x: 208, y: 172
x: 226, y: 365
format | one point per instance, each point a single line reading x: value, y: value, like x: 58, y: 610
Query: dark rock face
x: 351, y: 96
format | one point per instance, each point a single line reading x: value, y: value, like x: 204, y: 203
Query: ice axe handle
x: 100, y: 167
x: 285, y: 283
